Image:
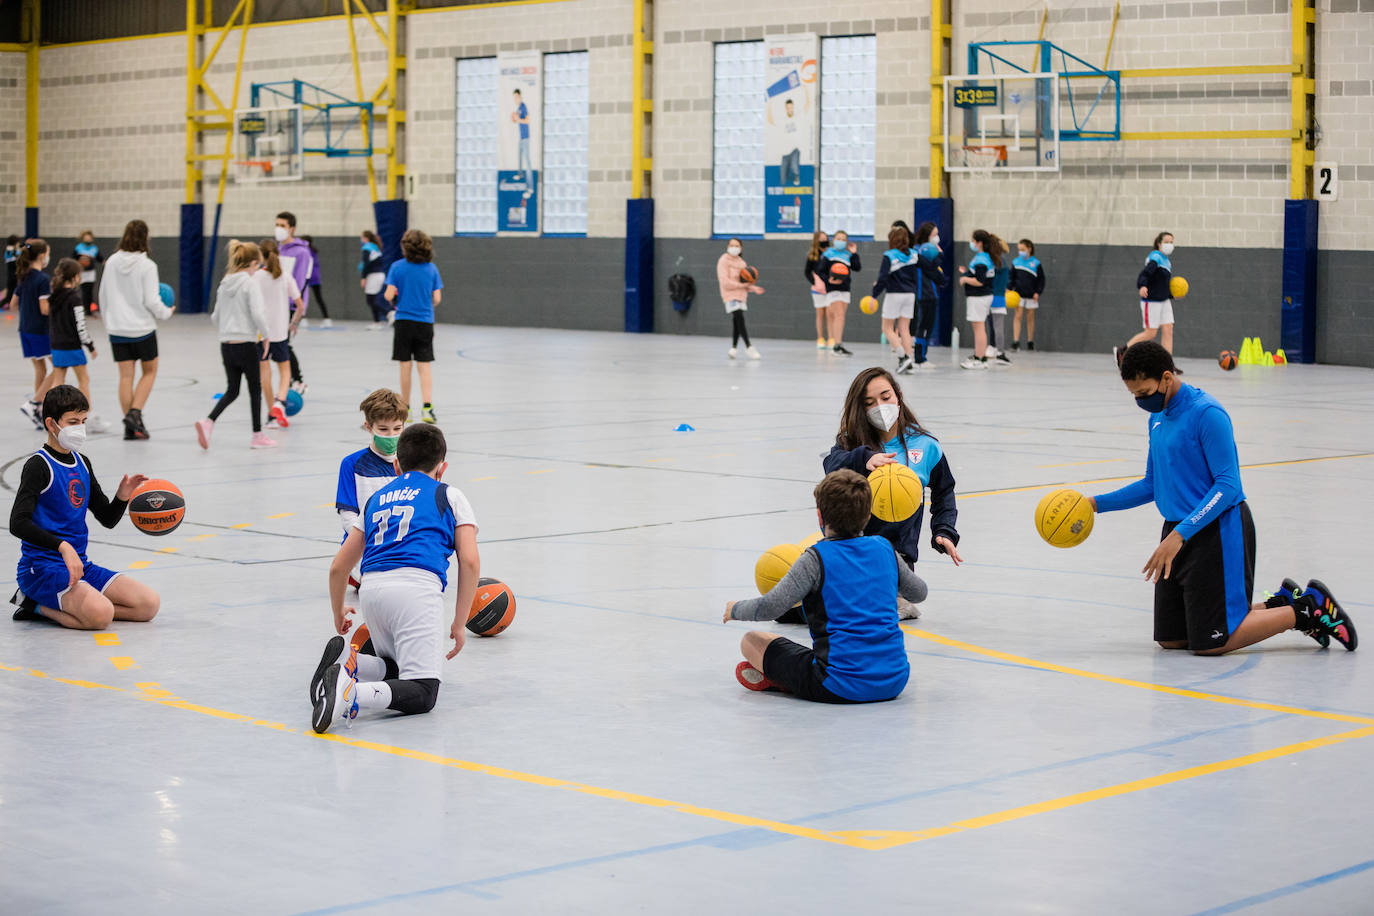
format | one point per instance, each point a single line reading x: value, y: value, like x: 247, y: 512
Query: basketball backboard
x: 1002, y: 121
x: 268, y: 144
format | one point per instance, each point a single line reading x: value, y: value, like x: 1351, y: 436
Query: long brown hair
x: 855, y: 430
x: 28, y: 256
x: 270, y: 261
x: 135, y: 236
x: 899, y: 239
x: 992, y: 245
x: 816, y: 246
x: 66, y: 274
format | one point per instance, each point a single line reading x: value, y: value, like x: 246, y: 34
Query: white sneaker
x: 904, y: 365
x: 732, y: 353
x: 305, y: 322
x: 992, y: 352
x: 327, y: 323
x: 97, y: 424
x: 974, y: 362
x: 754, y: 354
x: 338, y: 699
x: 33, y: 412
x: 906, y: 610
x: 926, y: 366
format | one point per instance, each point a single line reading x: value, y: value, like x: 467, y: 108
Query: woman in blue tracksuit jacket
x: 878, y: 428
x: 899, y: 279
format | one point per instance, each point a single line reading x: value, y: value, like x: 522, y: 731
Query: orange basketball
x: 157, y: 508
x: 748, y: 275
x: 493, y: 608
x: 1227, y: 360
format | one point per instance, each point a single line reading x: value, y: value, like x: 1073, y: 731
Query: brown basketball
x: 748, y: 275
x: 157, y: 508
x: 493, y: 608
x: 1227, y: 360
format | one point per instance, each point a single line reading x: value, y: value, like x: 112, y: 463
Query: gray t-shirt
x: 804, y: 578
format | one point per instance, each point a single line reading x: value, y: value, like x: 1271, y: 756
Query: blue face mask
x: 972, y: 248
x: 1154, y: 403
x: 839, y: 245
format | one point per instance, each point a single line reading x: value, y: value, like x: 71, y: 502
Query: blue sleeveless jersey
x: 61, y: 508
x: 409, y: 524
x: 853, y: 619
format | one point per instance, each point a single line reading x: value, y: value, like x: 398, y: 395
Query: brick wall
x: 12, y: 142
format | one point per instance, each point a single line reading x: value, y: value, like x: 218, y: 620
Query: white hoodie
x: 129, y: 300
x: 239, y: 314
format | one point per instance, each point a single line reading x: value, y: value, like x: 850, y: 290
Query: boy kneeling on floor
x: 847, y: 585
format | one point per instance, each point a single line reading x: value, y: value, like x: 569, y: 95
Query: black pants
x: 921, y: 324
x: 738, y: 330
x: 319, y: 298
x: 240, y: 362
x: 378, y: 306
x: 88, y: 295
x: 411, y: 697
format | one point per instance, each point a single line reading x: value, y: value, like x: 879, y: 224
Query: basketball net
x: 981, y: 160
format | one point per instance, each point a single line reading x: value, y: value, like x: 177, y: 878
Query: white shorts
x: 735, y: 305
x: 976, y: 309
x: 1156, y: 314
x: 899, y: 305
x: 1028, y: 303
x: 404, y: 610
x: 838, y: 295
x: 819, y: 300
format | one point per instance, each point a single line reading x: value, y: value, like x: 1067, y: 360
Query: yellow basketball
x: 810, y: 539
x: 1178, y: 287
x: 773, y: 565
x: 868, y: 305
x: 897, y: 492
x: 1013, y: 299
x: 1064, y: 518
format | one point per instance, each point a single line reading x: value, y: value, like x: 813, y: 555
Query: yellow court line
x: 202, y: 537
x: 282, y: 515
x: 140, y: 564
x: 1128, y: 682
x: 168, y: 549
x: 870, y: 839
x: 123, y: 662
x: 106, y: 639
x: 542, y: 471
x: 242, y: 525
x: 325, y: 506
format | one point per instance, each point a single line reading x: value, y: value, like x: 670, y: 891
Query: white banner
x: 519, y: 112
x: 792, y: 97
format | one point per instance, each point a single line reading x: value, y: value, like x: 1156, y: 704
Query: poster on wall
x: 519, y: 113
x: 791, y: 95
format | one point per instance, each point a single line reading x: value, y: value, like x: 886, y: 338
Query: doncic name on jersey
x: 404, y: 495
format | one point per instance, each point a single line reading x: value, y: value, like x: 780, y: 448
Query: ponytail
x: 242, y: 255
x: 270, y: 262
x: 28, y: 256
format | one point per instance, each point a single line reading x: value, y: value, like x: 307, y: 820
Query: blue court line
x: 1247, y: 902
x: 1251, y: 660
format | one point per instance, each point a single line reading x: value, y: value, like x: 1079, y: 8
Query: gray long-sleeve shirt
x: 804, y: 578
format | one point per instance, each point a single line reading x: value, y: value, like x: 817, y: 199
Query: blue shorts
x: 65, y: 359
x: 35, y: 346
x: 45, y: 581
x: 278, y: 351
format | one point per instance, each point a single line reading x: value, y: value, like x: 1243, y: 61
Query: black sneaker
x: 25, y: 607
x: 840, y: 350
x: 1030, y: 345
x: 1284, y: 597
x: 1327, y: 614
x: 130, y: 426
x: 334, y: 654
x: 1002, y: 358
x: 1015, y: 345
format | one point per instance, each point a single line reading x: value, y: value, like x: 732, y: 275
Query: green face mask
x: 386, y: 445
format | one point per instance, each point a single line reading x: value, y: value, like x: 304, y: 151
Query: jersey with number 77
x: 410, y: 524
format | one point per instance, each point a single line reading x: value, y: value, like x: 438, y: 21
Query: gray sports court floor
x: 599, y: 757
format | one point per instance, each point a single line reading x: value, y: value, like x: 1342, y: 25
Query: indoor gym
x: 1046, y: 755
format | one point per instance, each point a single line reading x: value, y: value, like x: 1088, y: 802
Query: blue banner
x: 517, y: 201
x: 789, y: 197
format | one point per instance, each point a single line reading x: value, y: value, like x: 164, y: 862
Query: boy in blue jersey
x: 414, y: 288
x: 848, y: 586
x: 367, y: 470
x: 1204, y: 566
x: 404, y: 538
x: 56, y: 489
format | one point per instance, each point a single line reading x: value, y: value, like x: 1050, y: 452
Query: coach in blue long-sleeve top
x: 1204, y: 566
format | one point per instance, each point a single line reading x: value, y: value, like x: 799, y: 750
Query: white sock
x: 370, y: 668
x: 374, y: 694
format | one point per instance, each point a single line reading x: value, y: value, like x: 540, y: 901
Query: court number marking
x: 1324, y: 185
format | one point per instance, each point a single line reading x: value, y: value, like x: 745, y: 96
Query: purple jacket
x: 305, y: 262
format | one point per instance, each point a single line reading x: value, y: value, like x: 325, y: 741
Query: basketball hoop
x: 252, y: 169
x: 981, y: 160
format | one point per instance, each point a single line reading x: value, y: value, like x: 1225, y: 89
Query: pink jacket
x: 727, y: 274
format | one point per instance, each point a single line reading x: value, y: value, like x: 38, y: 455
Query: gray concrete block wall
x: 1345, y: 310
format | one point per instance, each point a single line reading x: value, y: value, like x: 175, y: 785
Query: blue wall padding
x: 190, y: 289
x: 391, y: 217
x: 639, y: 266
x: 940, y: 211
x: 1298, y: 329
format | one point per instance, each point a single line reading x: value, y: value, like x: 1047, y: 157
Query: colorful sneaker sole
x: 751, y: 678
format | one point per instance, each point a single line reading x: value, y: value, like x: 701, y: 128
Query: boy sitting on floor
x: 848, y: 586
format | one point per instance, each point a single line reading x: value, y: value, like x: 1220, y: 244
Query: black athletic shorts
x: 142, y: 350
x: 278, y: 351
x: 792, y: 667
x: 412, y: 340
x: 1207, y: 594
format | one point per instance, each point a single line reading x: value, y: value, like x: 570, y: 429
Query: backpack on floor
x: 683, y: 289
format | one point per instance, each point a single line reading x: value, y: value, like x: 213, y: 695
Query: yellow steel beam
x: 1166, y: 72
x: 940, y: 34
x: 246, y: 7
x: 640, y: 50
x: 31, y: 13
x: 364, y: 118
x: 1303, y: 14
x: 13, y: 46
x: 1211, y: 135
x: 204, y: 67
x: 395, y: 168
x: 1111, y: 35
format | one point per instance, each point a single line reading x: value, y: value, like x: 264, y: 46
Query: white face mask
x: 71, y: 437
x: 883, y: 416
x: 279, y: 233
x: 1167, y: 249
x: 734, y: 249
x: 935, y: 240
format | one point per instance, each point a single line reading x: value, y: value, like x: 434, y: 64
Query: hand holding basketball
x: 1161, y: 562
x: 756, y: 290
x: 879, y: 460
x: 129, y: 484
x: 85, y: 262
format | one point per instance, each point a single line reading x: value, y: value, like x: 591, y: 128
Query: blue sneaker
x: 1326, y: 613
x: 1284, y: 597
x: 338, y: 700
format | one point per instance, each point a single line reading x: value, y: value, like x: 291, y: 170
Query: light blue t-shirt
x: 415, y: 285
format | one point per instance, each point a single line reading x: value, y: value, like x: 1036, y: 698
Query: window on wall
x: 849, y: 122
x: 566, y: 121
x: 474, y: 166
x: 737, y: 192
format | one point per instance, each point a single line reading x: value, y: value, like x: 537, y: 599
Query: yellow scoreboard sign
x: 974, y: 96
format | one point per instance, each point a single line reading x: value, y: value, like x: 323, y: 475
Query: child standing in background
x: 819, y: 242
x: 373, y: 274
x: 67, y: 334
x: 87, y: 254
x: 997, y: 315
x: 241, y: 320
x: 313, y: 281
x: 1156, y: 300
x: 12, y: 246
x: 1028, y: 281
x: 898, y: 277
x: 414, y: 288
x: 977, y: 281
x: 280, y: 298
x: 838, y: 263
x: 932, y: 280
x: 32, y: 290
x: 734, y: 292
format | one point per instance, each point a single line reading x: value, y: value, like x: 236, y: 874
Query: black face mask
x: 1154, y: 403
